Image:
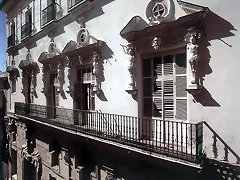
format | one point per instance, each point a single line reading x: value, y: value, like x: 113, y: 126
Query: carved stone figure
x: 192, y: 51
x: 130, y: 50
x: 156, y: 43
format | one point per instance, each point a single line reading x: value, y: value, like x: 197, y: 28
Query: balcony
x: 26, y: 30
x: 51, y: 13
x: 11, y: 40
x: 171, y: 138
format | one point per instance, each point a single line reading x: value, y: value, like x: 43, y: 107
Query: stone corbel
x: 130, y: 50
x: 192, y: 38
x: 96, y: 72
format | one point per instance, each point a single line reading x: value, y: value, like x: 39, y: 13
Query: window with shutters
x: 164, y: 83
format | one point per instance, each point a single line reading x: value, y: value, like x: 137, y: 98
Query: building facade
x: 147, y: 77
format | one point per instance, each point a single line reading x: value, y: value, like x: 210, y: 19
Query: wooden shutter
x: 157, y: 99
x: 181, y: 84
x: 168, y: 99
x: 168, y: 65
x: 77, y: 95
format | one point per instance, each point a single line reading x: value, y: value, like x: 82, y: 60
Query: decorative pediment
x: 52, y: 54
x: 13, y: 71
x: 168, y: 34
x: 28, y: 63
x: 71, y: 45
x: 85, y: 52
x: 190, y: 8
x: 135, y: 24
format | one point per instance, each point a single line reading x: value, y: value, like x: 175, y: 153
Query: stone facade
x: 155, y: 64
x: 80, y: 158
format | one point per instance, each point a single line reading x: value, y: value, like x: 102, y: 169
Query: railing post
x: 199, y: 141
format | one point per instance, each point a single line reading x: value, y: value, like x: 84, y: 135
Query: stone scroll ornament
x: 192, y: 38
x: 130, y: 50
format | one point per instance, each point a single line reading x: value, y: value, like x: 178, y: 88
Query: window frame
x: 175, y: 75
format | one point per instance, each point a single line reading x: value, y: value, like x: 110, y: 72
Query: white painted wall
x: 219, y: 107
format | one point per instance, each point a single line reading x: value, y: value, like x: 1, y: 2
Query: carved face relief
x: 156, y: 43
x: 96, y: 56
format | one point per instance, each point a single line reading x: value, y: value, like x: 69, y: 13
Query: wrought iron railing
x: 26, y: 30
x: 176, y: 139
x: 11, y: 40
x: 51, y: 12
x: 72, y: 3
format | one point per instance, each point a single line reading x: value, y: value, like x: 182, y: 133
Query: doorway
x: 83, y: 98
x: 51, y: 97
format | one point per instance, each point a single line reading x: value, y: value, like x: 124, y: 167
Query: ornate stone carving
x: 34, y: 157
x: 83, y: 37
x: 13, y: 71
x: 156, y: 43
x: 54, y: 59
x: 159, y: 11
x: 130, y: 51
x: 193, y: 58
x: 96, y: 71
x: 29, y: 69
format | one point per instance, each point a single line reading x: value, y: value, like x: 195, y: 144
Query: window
x: 55, y: 150
x: 164, y: 83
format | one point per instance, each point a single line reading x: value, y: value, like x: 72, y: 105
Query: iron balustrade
x: 26, y: 30
x: 11, y: 40
x: 51, y: 12
x: 172, y: 138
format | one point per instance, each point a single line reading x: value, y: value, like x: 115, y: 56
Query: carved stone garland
x: 96, y: 72
x: 130, y: 50
x: 29, y: 69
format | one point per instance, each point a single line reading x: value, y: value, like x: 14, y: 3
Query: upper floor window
x: 26, y: 29
x: 52, y: 12
x: 164, y: 82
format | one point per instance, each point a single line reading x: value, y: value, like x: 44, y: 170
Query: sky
x: 2, y: 41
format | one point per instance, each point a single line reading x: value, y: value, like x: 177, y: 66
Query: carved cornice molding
x: 90, y: 54
x: 171, y: 34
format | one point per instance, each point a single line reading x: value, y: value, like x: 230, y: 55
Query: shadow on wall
x: 107, y: 54
x: 215, y: 170
x: 216, y: 28
x: 98, y: 11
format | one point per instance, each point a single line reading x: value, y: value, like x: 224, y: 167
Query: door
x: 82, y: 96
x: 51, y: 97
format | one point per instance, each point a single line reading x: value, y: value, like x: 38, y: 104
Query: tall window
x: 164, y: 83
x: 84, y: 98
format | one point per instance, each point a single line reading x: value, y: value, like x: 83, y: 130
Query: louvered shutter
x: 181, y: 84
x: 168, y: 87
x: 168, y: 99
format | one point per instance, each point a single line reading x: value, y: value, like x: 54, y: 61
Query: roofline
x: 3, y: 3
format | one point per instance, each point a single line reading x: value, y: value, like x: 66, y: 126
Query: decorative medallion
x: 159, y: 11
